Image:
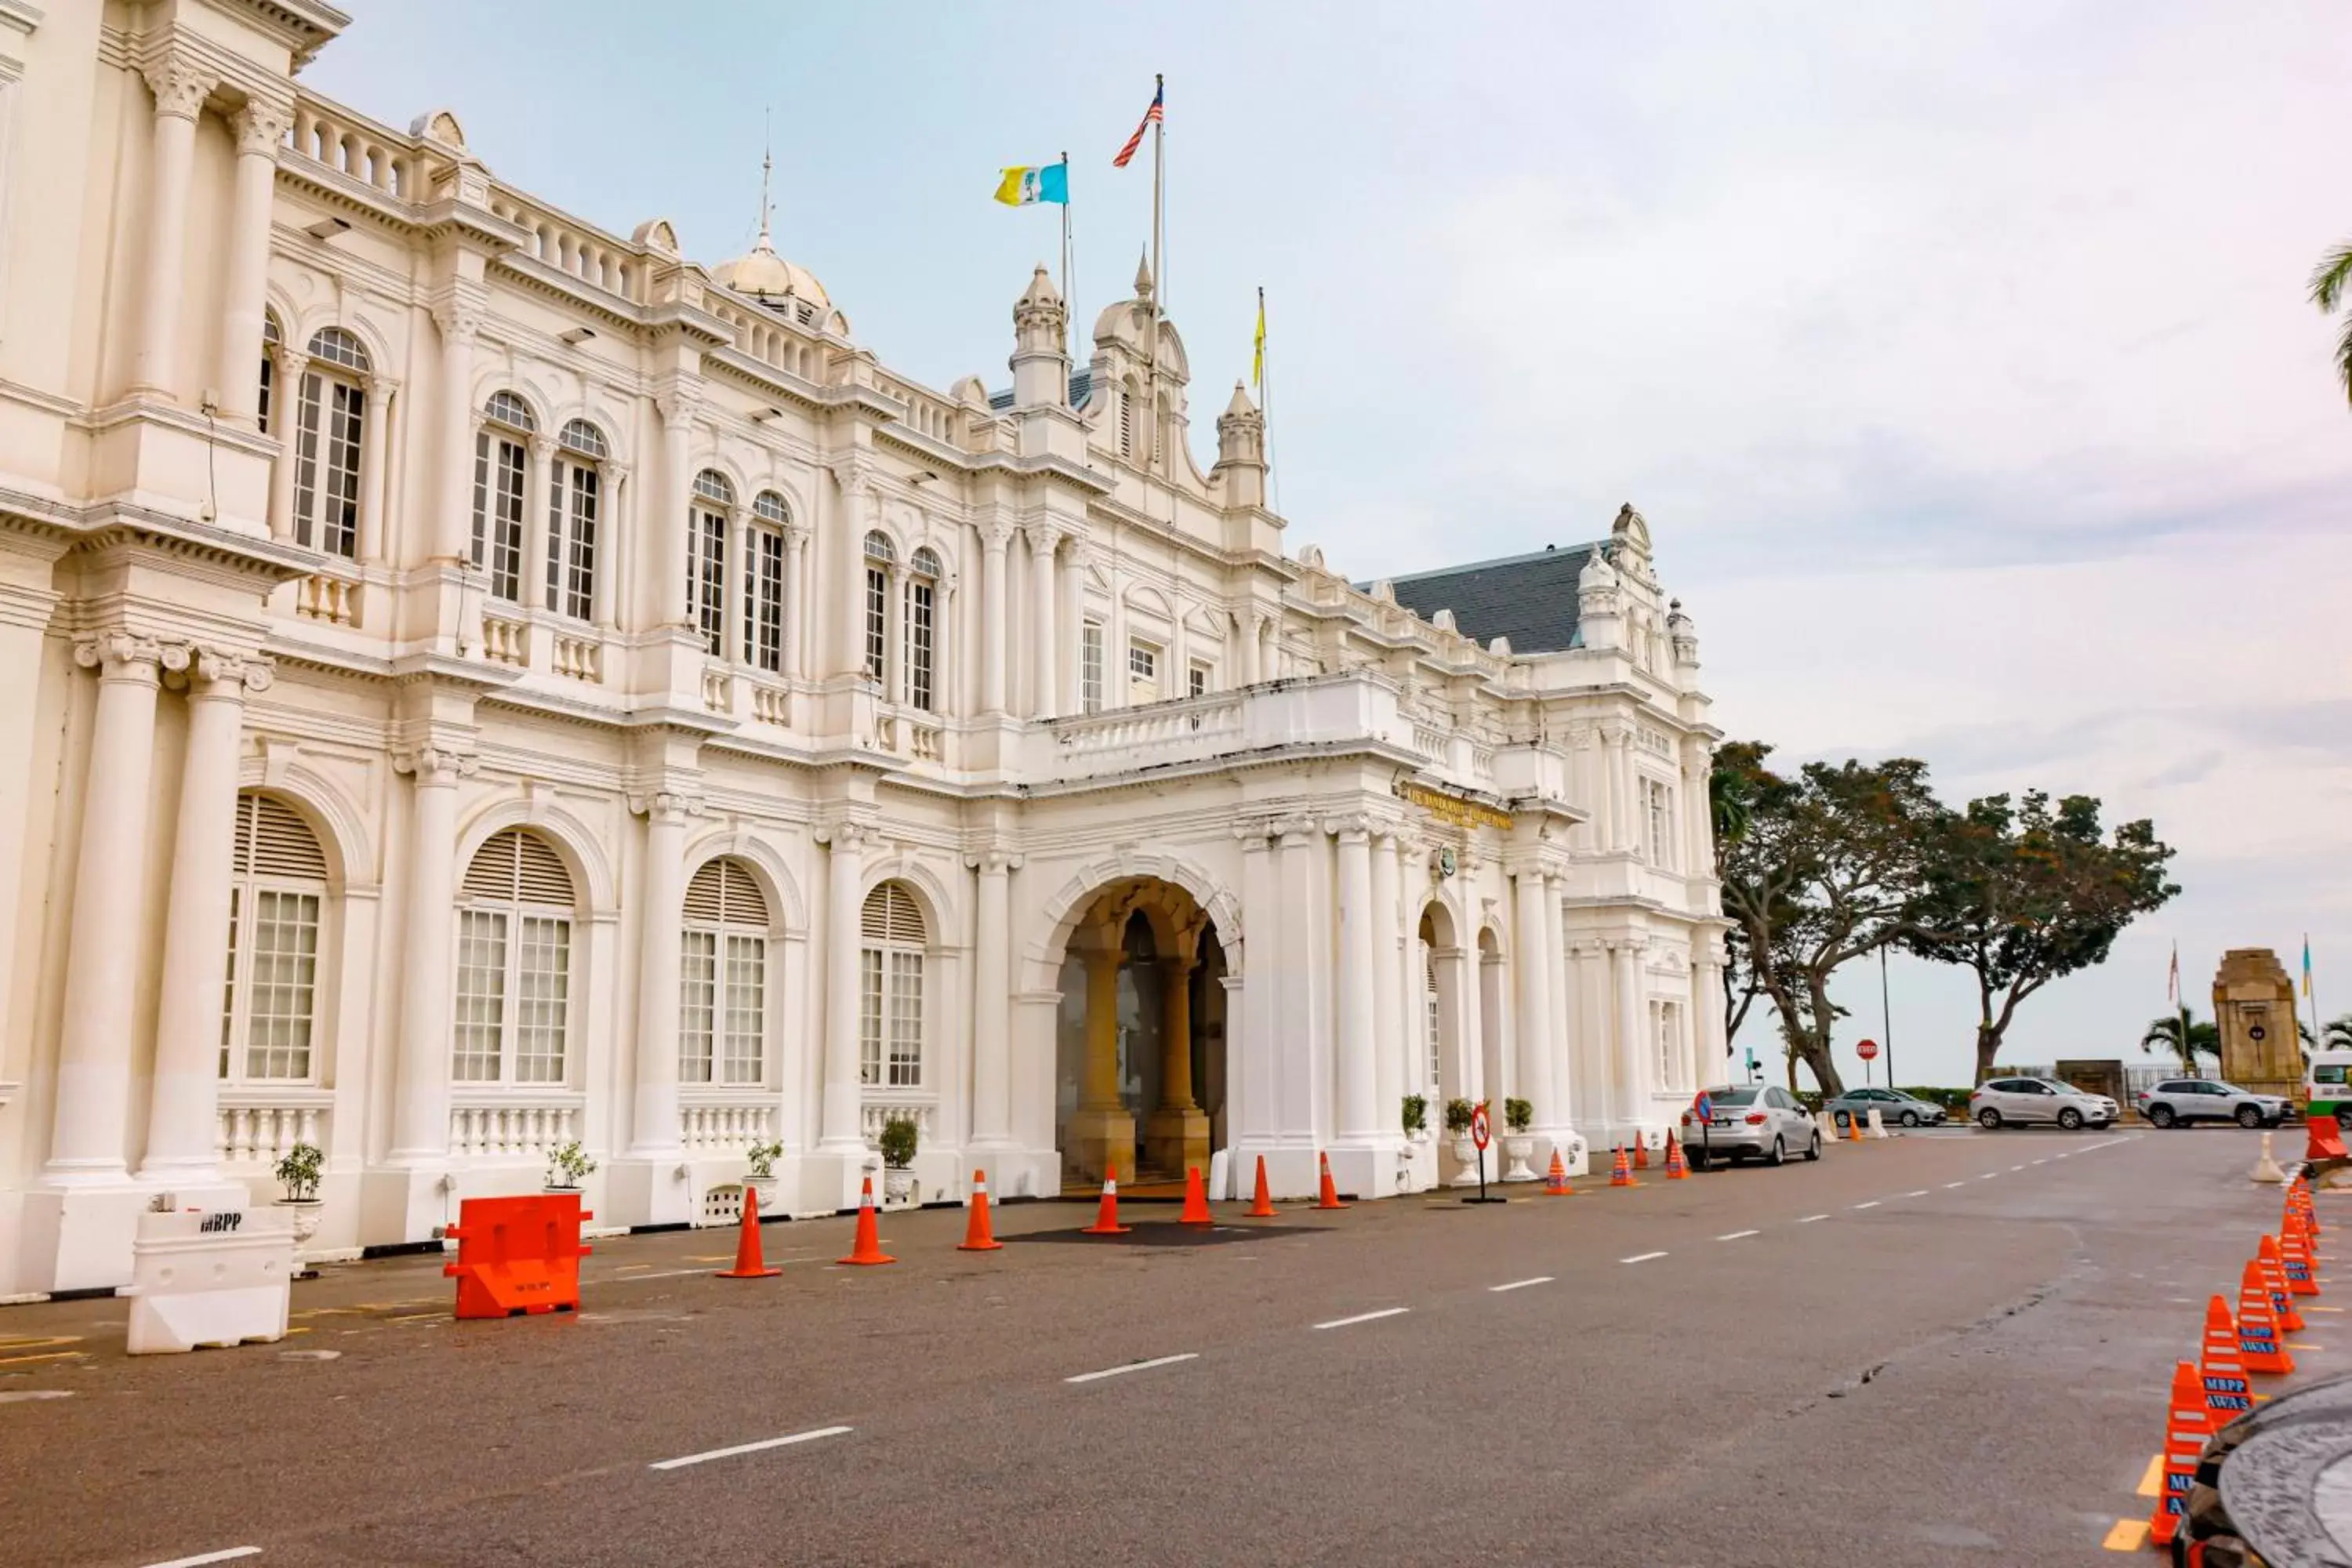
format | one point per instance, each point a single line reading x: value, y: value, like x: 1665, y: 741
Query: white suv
x: 2018, y: 1102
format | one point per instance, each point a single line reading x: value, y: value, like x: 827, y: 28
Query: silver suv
x: 2177, y: 1101
x: 1761, y: 1119
x: 2021, y: 1102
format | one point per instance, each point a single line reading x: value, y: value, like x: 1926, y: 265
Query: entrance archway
x: 1140, y: 1057
x: 1445, y: 972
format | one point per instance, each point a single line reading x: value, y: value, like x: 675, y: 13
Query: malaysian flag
x: 1151, y: 117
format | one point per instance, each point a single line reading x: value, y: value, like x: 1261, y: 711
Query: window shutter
x: 519, y: 867
x: 891, y: 916
x: 724, y: 893
x: 273, y: 841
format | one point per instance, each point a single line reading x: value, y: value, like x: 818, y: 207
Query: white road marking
x: 1365, y: 1318
x: 1920, y: 1193
x: 2041, y: 1162
x: 1949, y: 1185
x: 1520, y: 1284
x: 1871, y: 1204
x: 1810, y: 1218
x: 680, y: 1463
x: 227, y: 1554
x: 1737, y: 1235
x: 1641, y: 1258
x: 1133, y: 1366
x: 1988, y: 1175
x: 680, y: 1273
x: 2017, y: 1167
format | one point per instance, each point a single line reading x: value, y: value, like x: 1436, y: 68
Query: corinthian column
x: 109, y: 891
x: 260, y: 129
x: 420, y: 1108
x: 458, y: 318
x: 181, y: 1115
x: 181, y: 88
x: 654, y: 1129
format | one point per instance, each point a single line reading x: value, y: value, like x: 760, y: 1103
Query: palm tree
x: 2164, y: 1034
x: 2337, y: 1035
x: 2330, y: 286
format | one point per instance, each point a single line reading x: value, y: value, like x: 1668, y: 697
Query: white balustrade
x: 260, y: 1126
x: 1187, y: 723
x: 717, y: 691
x: 880, y: 1108
x: 923, y: 740
x: 1429, y: 742
x: 718, y: 1126
x: 505, y: 641
x: 567, y: 245
x: 581, y: 658
x: 771, y: 704
x: 512, y: 1128
x: 374, y: 156
x: 328, y: 597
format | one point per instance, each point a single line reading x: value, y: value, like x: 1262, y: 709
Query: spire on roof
x: 1143, y: 276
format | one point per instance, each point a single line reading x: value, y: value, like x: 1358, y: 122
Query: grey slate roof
x: 1530, y: 599
x: 1082, y: 387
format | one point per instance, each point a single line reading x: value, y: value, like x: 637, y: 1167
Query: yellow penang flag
x: 1257, y: 359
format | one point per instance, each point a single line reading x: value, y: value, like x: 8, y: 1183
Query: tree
x: 1829, y: 866
x: 2331, y: 285
x: 2337, y: 1035
x: 1730, y: 795
x: 2165, y: 1034
x: 2021, y: 895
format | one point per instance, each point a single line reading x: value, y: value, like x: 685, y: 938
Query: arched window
x: 329, y: 427
x: 763, y: 583
x: 514, y: 962
x: 922, y: 627
x: 706, y: 558
x: 1431, y: 1014
x: 502, y: 469
x: 272, y: 339
x: 890, y: 990
x: 279, y: 887
x: 575, y: 490
x: 723, y: 977
x: 880, y: 560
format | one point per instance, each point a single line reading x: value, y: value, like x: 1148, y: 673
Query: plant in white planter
x: 1458, y: 1112
x: 1518, y: 1142
x: 898, y: 1143
x: 1416, y: 1118
x: 567, y: 1167
x: 763, y: 1173
x: 298, y: 1178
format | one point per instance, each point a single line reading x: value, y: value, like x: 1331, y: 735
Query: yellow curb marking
x: 2153, y: 1481
x: 2128, y: 1535
x: 37, y: 1342
x: 52, y: 1355
x: 413, y: 1317
x: 2299, y: 1346
x: 2323, y: 1308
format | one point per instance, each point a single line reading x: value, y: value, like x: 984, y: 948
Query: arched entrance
x: 1443, y: 974
x: 1141, y: 1059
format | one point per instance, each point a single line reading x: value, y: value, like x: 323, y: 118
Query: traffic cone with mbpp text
x: 1556, y: 1179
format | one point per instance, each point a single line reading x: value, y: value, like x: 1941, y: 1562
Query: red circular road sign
x: 1480, y: 1133
x: 1867, y: 1050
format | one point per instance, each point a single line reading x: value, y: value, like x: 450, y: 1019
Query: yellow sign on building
x: 1453, y: 808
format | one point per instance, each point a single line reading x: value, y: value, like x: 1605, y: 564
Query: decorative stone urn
x: 765, y: 1186
x: 899, y: 1188
x: 1466, y: 1155
x: 1519, y: 1148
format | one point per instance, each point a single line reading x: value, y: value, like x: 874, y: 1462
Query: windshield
x: 1732, y: 1095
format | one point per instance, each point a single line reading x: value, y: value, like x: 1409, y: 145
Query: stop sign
x: 1867, y: 1050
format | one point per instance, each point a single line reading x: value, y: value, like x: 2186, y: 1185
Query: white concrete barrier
x: 217, y: 1277
x: 1877, y: 1123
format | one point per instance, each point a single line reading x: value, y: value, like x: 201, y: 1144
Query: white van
x: 2327, y: 1086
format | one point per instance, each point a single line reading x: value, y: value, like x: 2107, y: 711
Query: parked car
x: 2177, y: 1101
x: 2022, y: 1101
x: 1894, y: 1108
x: 1759, y: 1120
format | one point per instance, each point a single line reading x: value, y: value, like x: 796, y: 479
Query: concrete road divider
x: 208, y: 1278
x: 518, y: 1255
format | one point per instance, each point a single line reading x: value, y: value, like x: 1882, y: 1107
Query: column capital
x: 993, y: 862
x: 542, y: 446
x: 458, y: 317
x: 1352, y: 827
x: 995, y: 535
x: 680, y: 402
x: 260, y: 128
x: 851, y: 836
x: 124, y: 655
x: 1044, y: 538
x: 666, y: 807
x: 214, y: 672
x: 435, y: 765
x: 854, y: 475
x: 181, y: 85
x: 1291, y: 829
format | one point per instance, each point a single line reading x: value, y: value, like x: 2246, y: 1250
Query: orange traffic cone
x: 2186, y: 1427
x: 2258, y: 1332
x: 1556, y: 1179
x: 2273, y: 1266
x: 1852, y: 1128
x: 1677, y: 1170
x: 1196, y: 1200
x: 1262, y: 1207
x: 1328, y: 1197
x: 1621, y: 1174
x: 1641, y: 1152
x: 2294, y: 1252
x: 749, y: 1265
x: 977, y: 1236
x: 867, y: 1248
x: 1107, y: 1218
x: 2228, y: 1394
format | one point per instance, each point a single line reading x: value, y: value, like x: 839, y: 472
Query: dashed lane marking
x: 1920, y: 1193
x: 1988, y: 1175
x: 1365, y: 1318
x: 2041, y: 1162
x: 1949, y: 1185
x: 2017, y: 1167
x: 225, y: 1555
x: 1133, y: 1366
x: 2152, y: 1482
x: 680, y: 1463
x: 1812, y: 1218
x: 1641, y: 1258
x: 1871, y: 1204
x: 2323, y: 1308
x: 2127, y: 1535
x: 1738, y: 1236
x: 1519, y: 1284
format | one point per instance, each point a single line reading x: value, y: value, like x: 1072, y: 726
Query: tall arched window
x: 1431, y: 1014
x: 280, y: 889
x: 501, y: 473
x: 922, y: 627
x: 890, y: 990
x: 880, y: 560
x: 706, y: 557
x: 763, y: 583
x: 514, y: 962
x: 329, y: 427
x: 574, y: 491
x: 723, y: 977
x: 272, y: 339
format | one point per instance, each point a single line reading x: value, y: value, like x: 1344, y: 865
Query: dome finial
x: 1143, y: 276
x: 767, y: 163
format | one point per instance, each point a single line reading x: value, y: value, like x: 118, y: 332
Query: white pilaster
x: 181, y: 87
x: 535, y: 521
x: 992, y: 1004
x: 1355, y: 1074
x: 1534, y: 977
x: 1044, y: 540
x: 1388, y: 964
x: 796, y: 602
x: 1555, y: 1122
x: 653, y: 1133
x: 663, y: 521
x: 1632, y: 1045
x: 260, y: 128
x: 840, y: 1134
x: 375, y: 442
x: 458, y: 318
x: 285, y: 415
x: 420, y: 1126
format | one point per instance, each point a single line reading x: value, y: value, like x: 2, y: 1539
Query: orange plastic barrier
x: 518, y: 1255
x: 749, y: 1263
x: 1556, y: 1179
x: 1106, y: 1217
x: 2228, y: 1394
x: 2186, y: 1427
x: 2258, y: 1332
x: 1262, y: 1204
x: 2324, y: 1139
x: 977, y: 1234
x: 1328, y: 1196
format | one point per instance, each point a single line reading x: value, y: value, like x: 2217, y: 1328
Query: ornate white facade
x: 478, y: 682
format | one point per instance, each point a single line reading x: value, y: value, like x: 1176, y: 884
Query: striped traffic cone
x: 2186, y: 1427
x: 2294, y: 1252
x: 1328, y: 1195
x: 1621, y: 1174
x: 2258, y: 1331
x: 977, y: 1234
x: 1556, y: 1179
x: 2274, y: 1267
x: 2228, y: 1394
x: 1106, y: 1217
x: 1677, y: 1169
x: 868, y: 1247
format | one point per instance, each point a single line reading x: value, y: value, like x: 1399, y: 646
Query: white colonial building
x: 479, y: 682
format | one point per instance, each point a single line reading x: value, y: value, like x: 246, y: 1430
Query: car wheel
x: 2071, y: 1119
x: 2344, y: 1116
x: 1779, y: 1155
x: 1813, y: 1148
x: 1989, y: 1119
x: 2160, y: 1116
x: 2249, y: 1116
x: 1909, y: 1119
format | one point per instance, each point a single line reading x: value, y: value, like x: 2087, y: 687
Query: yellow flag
x: 1257, y: 360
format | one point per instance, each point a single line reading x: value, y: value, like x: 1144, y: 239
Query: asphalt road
x: 1946, y: 1348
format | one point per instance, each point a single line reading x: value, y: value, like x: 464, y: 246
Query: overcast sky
x: 1958, y: 356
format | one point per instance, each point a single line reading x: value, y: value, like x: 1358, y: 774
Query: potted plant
x: 1518, y: 1142
x: 567, y: 1166
x: 1466, y: 1150
x: 898, y: 1142
x: 1416, y: 1119
x: 761, y: 1178
x: 297, y: 1178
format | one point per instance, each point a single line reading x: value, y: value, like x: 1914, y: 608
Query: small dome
x: 767, y: 276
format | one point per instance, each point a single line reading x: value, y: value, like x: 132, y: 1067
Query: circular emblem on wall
x: 2258, y: 1033
x: 1446, y: 863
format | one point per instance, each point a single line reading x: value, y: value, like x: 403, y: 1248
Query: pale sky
x: 1958, y: 356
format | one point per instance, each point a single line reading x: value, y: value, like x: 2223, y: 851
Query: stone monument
x: 2253, y: 1006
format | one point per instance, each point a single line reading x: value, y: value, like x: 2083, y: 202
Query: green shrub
x: 1457, y: 1116
x: 898, y: 1142
x: 1416, y: 1112
x: 298, y: 1172
x: 763, y: 1160
x: 1519, y: 1115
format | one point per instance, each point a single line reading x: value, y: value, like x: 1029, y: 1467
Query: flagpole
x: 1265, y: 409
x: 1069, y: 310
x: 1158, y: 283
